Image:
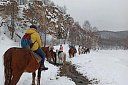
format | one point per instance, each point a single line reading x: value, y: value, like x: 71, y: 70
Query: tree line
x: 50, y: 19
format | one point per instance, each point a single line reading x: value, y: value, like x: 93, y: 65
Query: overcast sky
x: 104, y: 14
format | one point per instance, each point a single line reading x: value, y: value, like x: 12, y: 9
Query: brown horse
x: 47, y: 53
x: 53, y: 55
x: 17, y: 61
x: 50, y: 55
x: 72, y: 52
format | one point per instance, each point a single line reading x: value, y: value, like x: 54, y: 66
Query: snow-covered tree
x: 50, y: 18
x: 87, y: 25
x: 9, y: 15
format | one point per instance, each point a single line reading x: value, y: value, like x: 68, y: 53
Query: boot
x: 42, y: 67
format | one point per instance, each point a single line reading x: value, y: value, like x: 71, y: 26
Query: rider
x: 61, y: 49
x: 79, y: 49
x: 36, y: 39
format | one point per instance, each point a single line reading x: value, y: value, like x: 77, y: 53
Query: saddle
x: 37, y: 57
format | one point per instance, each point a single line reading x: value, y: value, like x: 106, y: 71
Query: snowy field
x: 109, y: 67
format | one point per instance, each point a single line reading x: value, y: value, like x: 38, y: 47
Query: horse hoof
x: 33, y: 84
x: 38, y: 83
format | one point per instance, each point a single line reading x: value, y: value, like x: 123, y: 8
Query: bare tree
x: 87, y: 26
x: 50, y: 18
x: 10, y: 9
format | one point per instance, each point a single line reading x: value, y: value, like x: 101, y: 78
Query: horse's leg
x: 33, y: 78
x: 86, y: 51
x: 38, y: 76
x: 16, y: 77
x: 55, y: 58
x: 69, y: 55
x: 64, y: 59
x: 89, y: 50
x: 59, y: 59
x: 79, y: 52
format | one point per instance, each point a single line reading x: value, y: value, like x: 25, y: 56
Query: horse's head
x: 72, y: 51
x: 46, y: 51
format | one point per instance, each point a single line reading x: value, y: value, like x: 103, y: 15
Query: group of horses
x: 83, y: 50
x: 56, y: 57
x: 20, y: 60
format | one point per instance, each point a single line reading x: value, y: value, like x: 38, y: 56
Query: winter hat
x: 33, y: 26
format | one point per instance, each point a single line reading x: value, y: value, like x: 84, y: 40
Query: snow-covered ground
x: 109, y: 67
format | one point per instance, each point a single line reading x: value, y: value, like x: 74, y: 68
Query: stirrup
x: 43, y: 68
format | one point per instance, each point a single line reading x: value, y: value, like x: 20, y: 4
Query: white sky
x: 104, y: 14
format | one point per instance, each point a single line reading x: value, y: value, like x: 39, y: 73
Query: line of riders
x: 81, y: 49
x: 32, y: 40
x: 32, y: 54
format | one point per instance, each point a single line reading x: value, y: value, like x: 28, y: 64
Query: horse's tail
x: 7, y: 66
